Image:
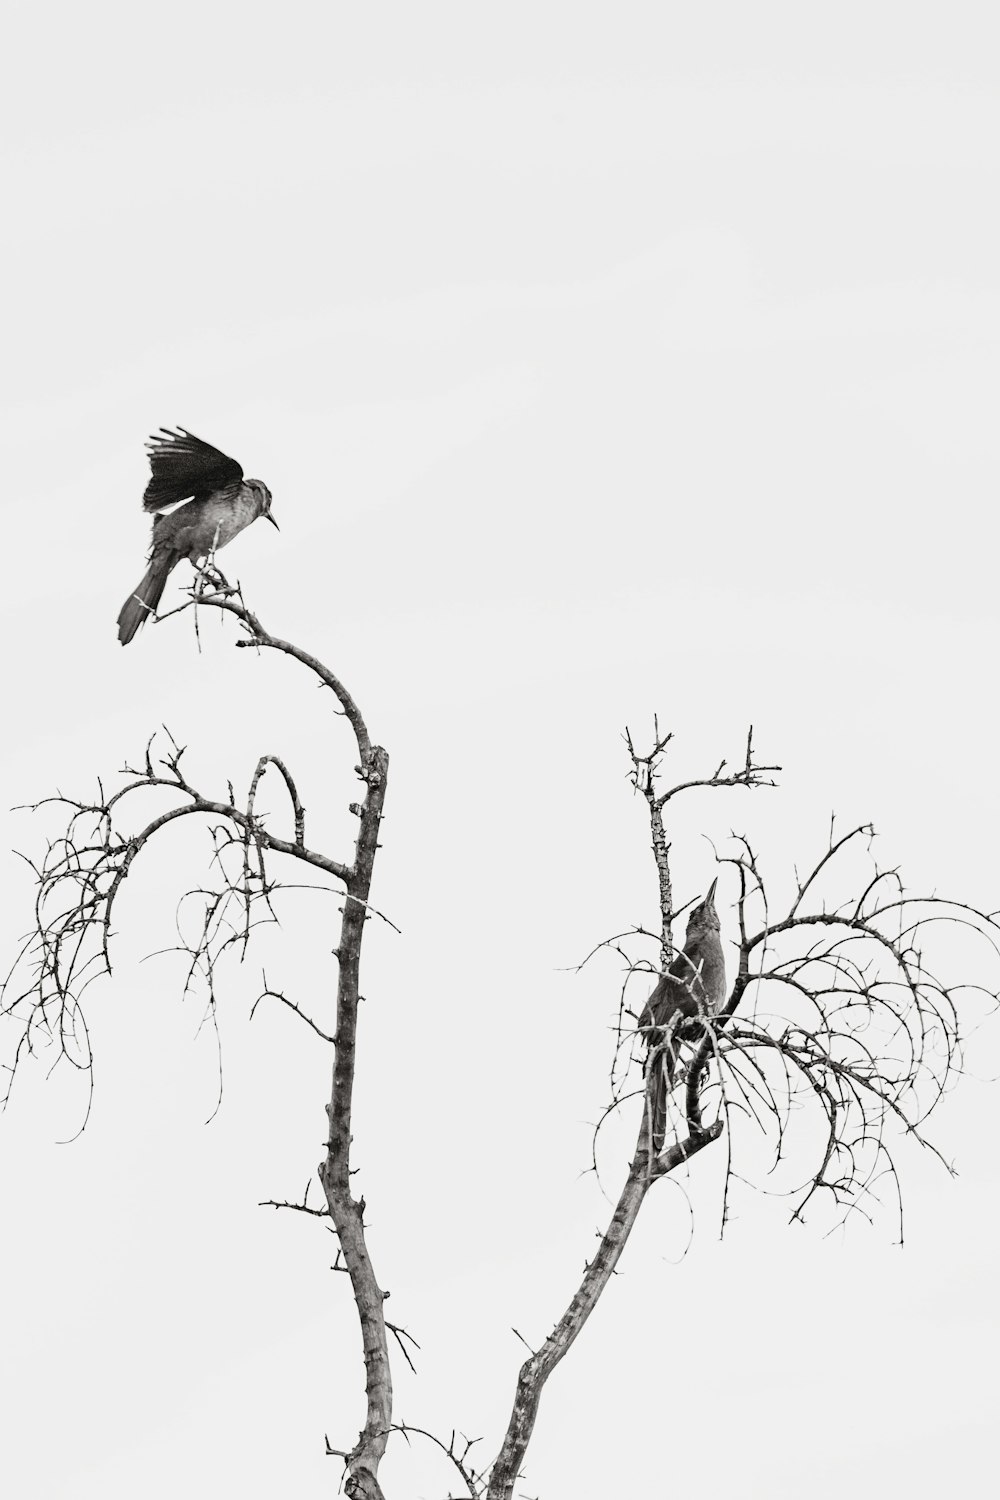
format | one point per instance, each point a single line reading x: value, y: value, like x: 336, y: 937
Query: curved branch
x: 297, y: 808
x: 536, y: 1370
x: 90, y: 862
x: 226, y: 600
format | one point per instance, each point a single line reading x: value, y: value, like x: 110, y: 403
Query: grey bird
x: 694, y: 985
x: 220, y: 503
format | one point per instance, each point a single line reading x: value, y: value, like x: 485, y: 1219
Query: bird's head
x: 262, y: 500
x: 704, y: 917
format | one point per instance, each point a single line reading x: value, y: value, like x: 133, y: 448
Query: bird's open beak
x: 273, y: 521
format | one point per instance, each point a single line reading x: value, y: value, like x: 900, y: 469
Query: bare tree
x: 861, y: 1043
x: 836, y: 1017
x: 79, y: 880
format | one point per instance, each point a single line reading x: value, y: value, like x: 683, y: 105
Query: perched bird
x: 220, y: 503
x: 694, y: 985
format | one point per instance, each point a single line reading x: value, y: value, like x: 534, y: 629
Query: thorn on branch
x: 524, y: 1341
x: 399, y: 1334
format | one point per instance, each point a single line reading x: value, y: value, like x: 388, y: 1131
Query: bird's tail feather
x: 664, y: 1066
x: 144, y: 598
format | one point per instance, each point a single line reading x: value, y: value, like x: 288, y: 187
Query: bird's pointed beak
x: 711, y: 890
x: 273, y: 521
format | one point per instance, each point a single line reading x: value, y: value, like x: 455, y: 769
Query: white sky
x: 602, y: 361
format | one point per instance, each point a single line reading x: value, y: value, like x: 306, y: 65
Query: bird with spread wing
x: 219, y: 504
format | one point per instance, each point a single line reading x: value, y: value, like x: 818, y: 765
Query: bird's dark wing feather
x: 182, y: 466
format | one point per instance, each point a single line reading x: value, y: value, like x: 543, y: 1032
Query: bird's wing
x: 182, y: 465
x: 651, y: 1010
x: 666, y: 999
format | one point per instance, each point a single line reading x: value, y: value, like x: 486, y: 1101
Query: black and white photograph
x: 500, y: 945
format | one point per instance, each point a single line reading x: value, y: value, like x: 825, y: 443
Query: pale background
x: 602, y: 360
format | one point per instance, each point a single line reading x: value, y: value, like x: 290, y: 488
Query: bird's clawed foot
x: 211, y: 579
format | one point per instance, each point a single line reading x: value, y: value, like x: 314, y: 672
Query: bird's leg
x: 214, y: 573
x: 209, y: 563
x: 212, y: 577
x: 204, y: 582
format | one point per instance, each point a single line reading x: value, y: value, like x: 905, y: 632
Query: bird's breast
x: 227, y: 513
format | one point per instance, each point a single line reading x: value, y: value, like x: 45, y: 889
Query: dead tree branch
x: 646, y: 1168
x: 862, y: 1042
x: 77, y: 883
